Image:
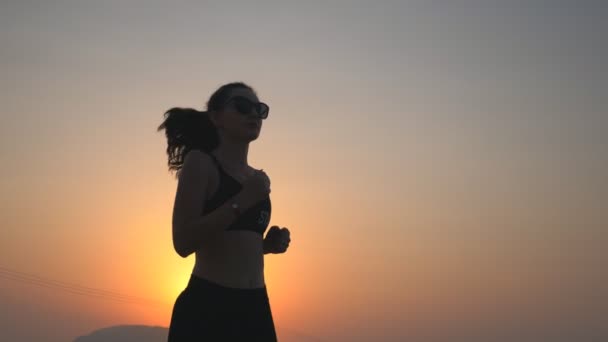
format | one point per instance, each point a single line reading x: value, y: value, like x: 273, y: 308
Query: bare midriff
x: 232, y: 259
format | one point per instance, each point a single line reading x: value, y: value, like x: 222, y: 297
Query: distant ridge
x: 141, y: 333
x: 126, y: 333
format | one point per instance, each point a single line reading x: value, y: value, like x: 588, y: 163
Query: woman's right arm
x: 190, y: 227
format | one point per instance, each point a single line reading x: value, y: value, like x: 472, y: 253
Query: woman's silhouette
x: 221, y: 211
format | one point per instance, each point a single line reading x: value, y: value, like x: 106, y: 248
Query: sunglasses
x: 245, y: 106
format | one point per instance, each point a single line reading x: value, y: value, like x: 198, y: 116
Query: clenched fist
x: 276, y: 240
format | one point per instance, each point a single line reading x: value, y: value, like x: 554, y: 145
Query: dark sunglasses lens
x: 243, y: 106
x: 263, y: 110
x: 246, y: 106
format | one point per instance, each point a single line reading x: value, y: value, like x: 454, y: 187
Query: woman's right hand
x: 255, y: 188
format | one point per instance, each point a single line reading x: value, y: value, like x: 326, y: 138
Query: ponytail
x: 187, y: 129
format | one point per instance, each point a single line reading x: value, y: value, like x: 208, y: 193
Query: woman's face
x: 235, y: 124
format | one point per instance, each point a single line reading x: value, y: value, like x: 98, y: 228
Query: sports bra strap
x: 214, y: 159
x: 217, y: 163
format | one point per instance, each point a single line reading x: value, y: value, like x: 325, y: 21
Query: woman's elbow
x: 182, y: 251
x: 181, y: 246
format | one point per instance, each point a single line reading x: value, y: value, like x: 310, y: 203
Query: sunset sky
x: 441, y: 165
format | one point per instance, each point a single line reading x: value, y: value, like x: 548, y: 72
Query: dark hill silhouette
x: 141, y: 333
x: 126, y: 333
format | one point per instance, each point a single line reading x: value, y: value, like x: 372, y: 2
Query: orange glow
x: 439, y: 168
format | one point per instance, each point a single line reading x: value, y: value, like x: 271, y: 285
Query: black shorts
x: 207, y: 311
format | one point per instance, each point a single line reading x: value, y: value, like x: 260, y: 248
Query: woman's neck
x: 233, y: 155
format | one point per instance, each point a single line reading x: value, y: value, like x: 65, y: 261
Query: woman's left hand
x: 277, y: 240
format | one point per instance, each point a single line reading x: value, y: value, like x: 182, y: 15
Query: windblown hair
x: 188, y: 129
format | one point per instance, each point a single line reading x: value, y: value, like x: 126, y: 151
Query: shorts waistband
x: 197, y: 282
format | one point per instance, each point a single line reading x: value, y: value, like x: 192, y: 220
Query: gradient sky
x: 441, y: 165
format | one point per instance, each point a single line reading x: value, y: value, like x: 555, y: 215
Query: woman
x: 221, y: 211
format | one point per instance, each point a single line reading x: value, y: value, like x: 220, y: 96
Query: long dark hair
x: 188, y: 129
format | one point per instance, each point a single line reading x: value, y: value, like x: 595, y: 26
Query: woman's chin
x: 251, y: 136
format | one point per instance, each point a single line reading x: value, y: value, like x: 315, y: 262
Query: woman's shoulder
x: 198, y: 155
x: 198, y: 159
x: 199, y: 163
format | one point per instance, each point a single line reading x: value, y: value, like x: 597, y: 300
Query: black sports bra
x: 256, y: 218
